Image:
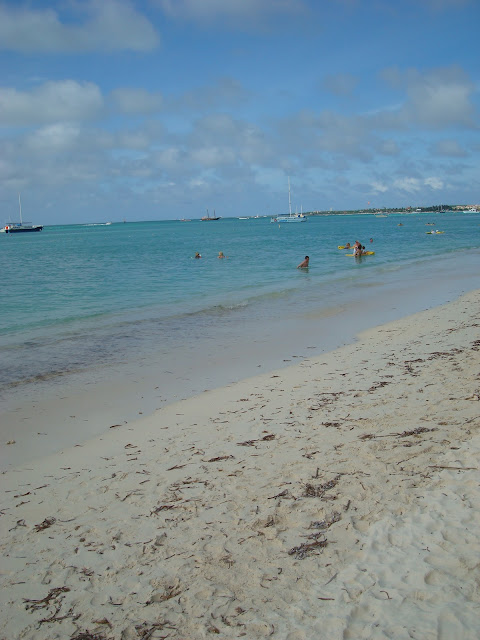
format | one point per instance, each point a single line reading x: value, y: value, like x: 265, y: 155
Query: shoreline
x: 337, y: 496
x: 48, y: 417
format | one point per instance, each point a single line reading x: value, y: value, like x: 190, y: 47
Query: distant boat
x: 290, y: 217
x: 21, y: 227
x: 207, y: 218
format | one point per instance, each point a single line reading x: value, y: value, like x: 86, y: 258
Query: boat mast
x: 20, y: 208
x: 289, y: 200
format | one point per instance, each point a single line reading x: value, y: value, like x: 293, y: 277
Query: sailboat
x: 21, y: 227
x: 207, y: 218
x: 291, y: 217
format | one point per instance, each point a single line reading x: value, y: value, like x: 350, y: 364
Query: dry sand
x: 336, y: 499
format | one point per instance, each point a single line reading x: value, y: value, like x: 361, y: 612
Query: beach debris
x: 378, y: 385
x: 171, y: 591
x: 53, y: 595
x: 251, y: 443
x: 20, y: 523
x: 438, y: 466
x: 283, y: 494
x: 325, y: 524
x: 304, y: 549
x: 318, y: 491
x: 147, y: 629
x: 87, y: 635
x: 404, y: 434
x: 103, y: 621
x: 45, y: 524
x: 163, y: 507
x: 53, y: 598
x: 213, y: 629
x: 415, y: 432
x: 219, y: 458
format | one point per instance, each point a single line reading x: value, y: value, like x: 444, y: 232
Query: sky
x: 115, y: 110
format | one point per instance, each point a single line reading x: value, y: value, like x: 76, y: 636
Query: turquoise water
x: 77, y: 298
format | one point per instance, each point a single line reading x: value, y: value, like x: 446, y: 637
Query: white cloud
x: 53, y: 138
x: 213, y: 157
x: 66, y: 101
x: 379, y: 187
x: 410, y: 185
x: 137, y: 101
x: 110, y: 25
x: 437, y: 98
x: 435, y: 183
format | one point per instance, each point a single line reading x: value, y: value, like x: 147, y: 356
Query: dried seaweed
x: 87, y: 635
x: 303, y: 550
x: 251, y: 443
x: 378, y: 385
x: 45, y: 524
x: 163, y: 507
x: 318, y: 491
x: 45, y: 602
x: 404, y: 434
x: 219, y: 458
x: 170, y: 592
x: 283, y: 494
x: 147, y: 629
x: 325, y: 524
x: 415, y: 432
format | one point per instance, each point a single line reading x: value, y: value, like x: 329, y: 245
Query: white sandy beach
x: 337, y: 499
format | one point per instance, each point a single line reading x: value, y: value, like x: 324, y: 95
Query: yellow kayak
x: 365, y: 253
x: 434, y: 233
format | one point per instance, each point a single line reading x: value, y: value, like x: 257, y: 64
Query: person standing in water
x: 304, y: 263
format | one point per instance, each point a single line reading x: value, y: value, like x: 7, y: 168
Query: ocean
x: 85, y: 305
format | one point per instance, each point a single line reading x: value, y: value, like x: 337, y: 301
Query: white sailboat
x: 291, y: 217
x: 21, y: 227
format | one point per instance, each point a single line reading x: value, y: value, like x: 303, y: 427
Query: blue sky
x: 160, y: 109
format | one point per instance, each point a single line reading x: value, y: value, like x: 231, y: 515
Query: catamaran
x: 290, y: 217
x: 21, y: 227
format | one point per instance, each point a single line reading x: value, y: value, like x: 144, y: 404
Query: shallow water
x: 83, y: 300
